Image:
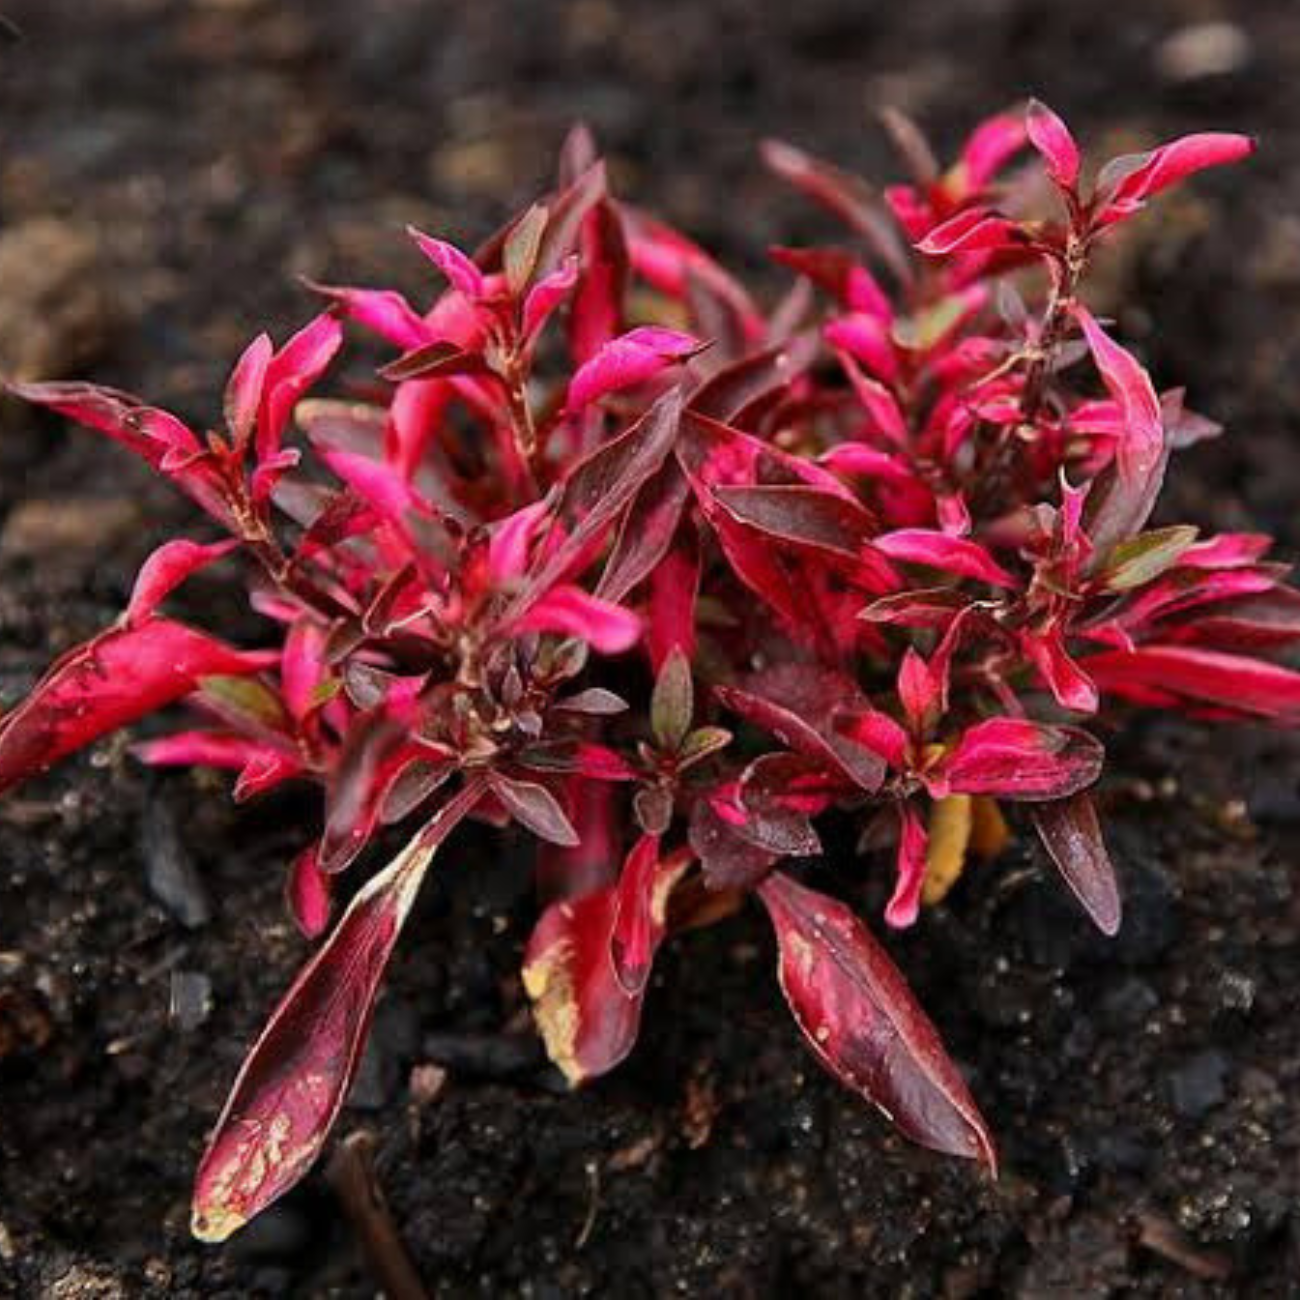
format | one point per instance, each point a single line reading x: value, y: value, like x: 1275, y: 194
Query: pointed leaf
x: 119, y: 676
x: 296, y: 1077
x: 1072, y: 837
x: 534, y: 806
x: 863, y: 1023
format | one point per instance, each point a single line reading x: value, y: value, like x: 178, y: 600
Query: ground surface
x: 166, y: 169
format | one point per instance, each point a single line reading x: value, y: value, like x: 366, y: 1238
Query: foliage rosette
x: 614, y: 552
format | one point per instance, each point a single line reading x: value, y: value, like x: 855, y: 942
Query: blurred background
x: 168, y: 171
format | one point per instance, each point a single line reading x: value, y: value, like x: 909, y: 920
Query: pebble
x: 1200, y: 1084
x: 1202, y: 51
x: 55, y: 317
x: 169, y: 870
x: 190, y: 1001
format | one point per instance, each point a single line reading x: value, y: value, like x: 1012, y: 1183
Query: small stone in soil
x: 1199, y: 1085
x: 190, y: 1002
x: 172, y: 877
x: 1129, y: 1003
x: 485, y: 1056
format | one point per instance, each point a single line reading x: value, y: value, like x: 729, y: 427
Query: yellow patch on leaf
x: 548, y: 981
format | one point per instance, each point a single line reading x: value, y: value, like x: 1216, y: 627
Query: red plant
x: 900, y: 542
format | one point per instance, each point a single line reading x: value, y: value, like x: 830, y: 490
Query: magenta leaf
x: 937, y: 550
x: 1054, y: 143
x: 628, y: 360
x: 1245, y: 687
x: 307, y: 891
x: 1014, y: 758
x: 169, y: 566
x: 461, y: 273
x: 115, y: 678
x: 862, y: 1022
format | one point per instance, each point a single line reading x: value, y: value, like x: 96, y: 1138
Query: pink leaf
x: 905, y: 903
x: 290, y: 373
x: 461, y: 273
x: 973, y: 230
x: 546, y: 295
x: 244, y: 391
x: 384, y: 311
x: 637, y: 930
x: 862, y: 1022
x: 203, y: 749
x: 938, y: 550
x: 1071, y: 687
x: 1244, y: 686
x: 866, y: 339
x: 1127, y: 183
x: 626, y: 361
x: 1052, y: 138
x: 569, y: 610
x: 1017, y: 759
x: 165, y: 570
x: 119, y: 676
x: 307, y: 892
x: 297, y: 1074
x: 991, y: 145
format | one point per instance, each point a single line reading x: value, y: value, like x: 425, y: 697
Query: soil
x: 167, y: 170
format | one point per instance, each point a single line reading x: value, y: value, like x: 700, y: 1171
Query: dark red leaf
x: 864, y: 1025
x: 1072, y: 836
x: 534, y: 806
x: 297, y: 1074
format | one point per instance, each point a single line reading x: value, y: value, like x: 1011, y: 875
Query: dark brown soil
x: 166, y: 170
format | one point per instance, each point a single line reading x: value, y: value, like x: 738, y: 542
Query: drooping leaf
x: 863, y: 1023
x: 114, y: 679
x: 297, y: 1074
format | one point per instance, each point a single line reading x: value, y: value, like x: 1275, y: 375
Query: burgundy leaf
x: 534, y: 806
x: 1072, y: 836
x: 798, y: 706
x: 862, y: 1022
